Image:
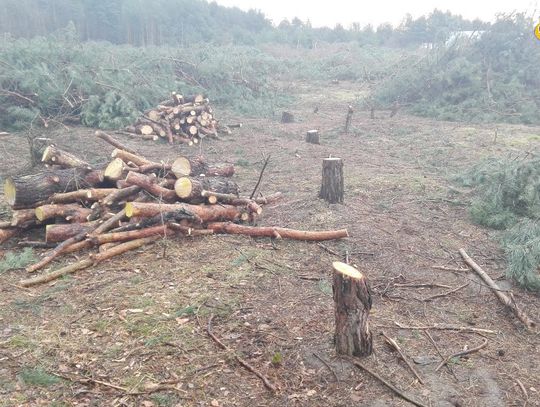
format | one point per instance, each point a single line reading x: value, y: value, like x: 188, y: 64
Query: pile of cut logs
x: 181, y: 119
x: 129, y: 203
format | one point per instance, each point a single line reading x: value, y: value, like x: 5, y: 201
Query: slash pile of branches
x: 129, y: 203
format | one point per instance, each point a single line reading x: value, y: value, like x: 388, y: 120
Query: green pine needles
x: 508, y: 199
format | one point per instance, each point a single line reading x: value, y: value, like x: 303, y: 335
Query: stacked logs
x: 181, y: 119
x: 131, y: 202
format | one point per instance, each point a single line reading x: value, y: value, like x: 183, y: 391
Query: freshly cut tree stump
x: 332, y: 180
x: 348, y: 119
x: 352, y: 300
x: 312, y: 136
x: 26, y: 191
x: 287, y: 117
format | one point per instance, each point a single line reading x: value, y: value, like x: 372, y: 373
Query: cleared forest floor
x: 141, y: 319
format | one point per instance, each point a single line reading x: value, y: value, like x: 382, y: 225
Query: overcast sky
x: 331, y: 12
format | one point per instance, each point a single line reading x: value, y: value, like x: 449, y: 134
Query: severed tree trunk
x: 332, y: 188
x: 55, y: 156
x: 207, y: 213
x: 59, y: 232
x: 23, y: 218
x: 6, y: 234
x: 70, y: 212
x: 130, y: 158
x: 83, y: 195
x: 117, y: 169
x: 121, y: 194
x: 312, y: 136
x: 287, y: 117
x: 190, y: 189
x: 29, y: 190
x: 348, y: 119
x: 352, y: 300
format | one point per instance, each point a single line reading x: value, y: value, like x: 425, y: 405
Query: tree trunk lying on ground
x: 190, y: 189
x: 55, y: 156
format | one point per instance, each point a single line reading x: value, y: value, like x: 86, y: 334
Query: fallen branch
x: 387, y: 383
x: 462, y: 353
x: 241, y: 361
x: 260, y: 177
x: 89, y: 261
x: 529, y: 324
x: 113, y: 142
x: 445, y: 293
x: 393, y: 344
x: 446, y: 327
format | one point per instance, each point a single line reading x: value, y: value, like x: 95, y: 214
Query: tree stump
x: 352, y: 300
x: 312, y: 136
x: 287, y: 117
x: 332, y: 180
x: 348, y: 119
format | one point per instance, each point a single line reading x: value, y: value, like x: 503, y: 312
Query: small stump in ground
x: 312, y: 136
x: 287, y: 117
x: 352, y: 300
x: 348, y: 119
x: 332, y: 180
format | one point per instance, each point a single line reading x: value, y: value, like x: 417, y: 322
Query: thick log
x: 352, y: 301
x: 144, y: 129
x: 276, y: 232
x: 215, y: 197
x: 82, y: 195
x: 185, y: 166
x: 29, y: 190
x: 190, y: 189
x: 55, y: 156
x: 150, y: 185
x: 70, y: 212
x: 112, y: 141
x: 130, y: 158
x: 312, y: 136
x: 23, y: 218
x: 56, y: 233
x: 205, y: 213
x: 89, y: 261
x: 6, y: 234
x: 332, y: 180
x: 117, y: 169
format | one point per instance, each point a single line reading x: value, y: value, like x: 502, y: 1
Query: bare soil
x: 140, y: 320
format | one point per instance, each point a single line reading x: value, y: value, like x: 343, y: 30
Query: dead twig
x: 267, y: 159
x: 393, y: 344
x: 387, y: 383
x: 462, y: 353
x: 449, y: 268
x: 241, y: 361
x: 445, y: 293
x: 506, y: 300
x: 440, y: 354
x: 324, y: 362
x: 446, y: 327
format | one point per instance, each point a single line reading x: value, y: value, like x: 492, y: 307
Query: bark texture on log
x: 205, y: 213
x: 56, y: 233
x: 6, y: 234
x: 83, y: 195
x: 128, y: 157
x: 150, y: 185
x: 332, y: 188
x: 312, y: 136
x: 70, y: 212
x: 29, y: 190
x: 190, y: 189
x: 112, y: 141
x: 186, y: 166
x: 352, y: 300
x: 55, y: 156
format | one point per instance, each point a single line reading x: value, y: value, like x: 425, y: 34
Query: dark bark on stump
x: 348, y: 119
x: 332, y: 180
x: 287, y: 117
x: 352, y: 300
x: 312, y: 136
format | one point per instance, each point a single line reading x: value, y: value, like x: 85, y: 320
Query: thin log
x: 190, y: 189
x: 89, y: 261
x: 150, y: 185
x: 205, y: 213
x: 23, y: 217
x: 70, y: 212
x: 55, y: 156
x: 120, y: 194
x: 83, y: 195
x: 59, y: 232
x: 113, y: 142
x: 445, y: 327
x: 276, y: 232
x: 160, y: 230
x: 520, y: 314
x: 241, y: 361
x: 128, y: 157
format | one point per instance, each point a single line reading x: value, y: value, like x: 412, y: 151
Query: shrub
x: 19, y: 260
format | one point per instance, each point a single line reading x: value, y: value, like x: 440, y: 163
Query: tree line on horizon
x: 186, y: 22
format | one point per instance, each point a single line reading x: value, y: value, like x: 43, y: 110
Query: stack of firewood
x: 130, y: 202
x: 181, y: 119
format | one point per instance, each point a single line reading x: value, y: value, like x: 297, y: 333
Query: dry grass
x: 141, y: 319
